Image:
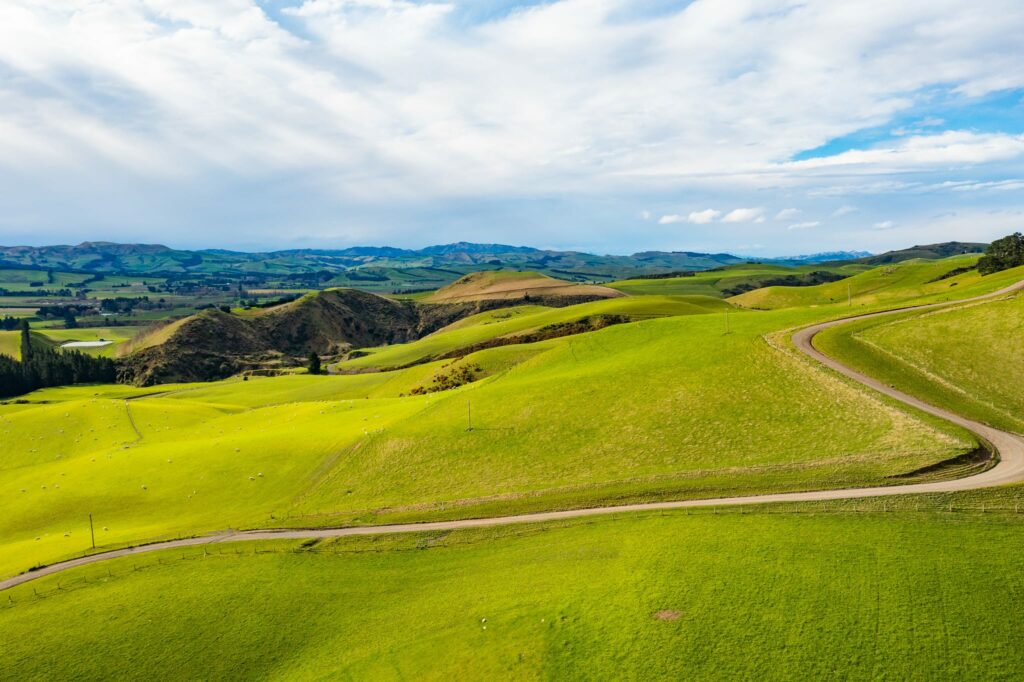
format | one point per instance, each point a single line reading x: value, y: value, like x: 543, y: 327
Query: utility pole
x: 92, y: 532
x: 469, y: 414
x: 849, y: 295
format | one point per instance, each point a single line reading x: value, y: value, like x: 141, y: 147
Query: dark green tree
x: 314, y: 363
x: 1003, y: 254
x: 26, y: 342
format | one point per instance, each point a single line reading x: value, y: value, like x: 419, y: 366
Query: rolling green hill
x: 676, y: 397
x: 885, y: 285
x: 719, y: 281
x: 967, y: 359
x: 927, y: 251
x: 665, y: 407
x: 494, y: 324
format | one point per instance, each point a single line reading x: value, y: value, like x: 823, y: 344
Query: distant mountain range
x: 827, y: 256
x: 395, y: 269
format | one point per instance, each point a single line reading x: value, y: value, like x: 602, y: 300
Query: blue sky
x: 765, y: 128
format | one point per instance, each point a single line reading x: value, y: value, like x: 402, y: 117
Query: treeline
x: 1003, y: 254
x: 806, y: 280
x: 668, y: 275
x: 63, y: 293
x: 45, y: 367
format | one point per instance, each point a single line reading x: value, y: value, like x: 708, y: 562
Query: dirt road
x: 1009, y: 469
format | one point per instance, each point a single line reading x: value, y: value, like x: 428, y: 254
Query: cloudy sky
x: 768, y: 127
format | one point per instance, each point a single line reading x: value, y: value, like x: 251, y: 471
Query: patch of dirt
x: 667, y: 614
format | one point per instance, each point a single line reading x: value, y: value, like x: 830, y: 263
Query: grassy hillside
x: 504, y: 322
x: 715, y: 282
x: 691, y: 399
x: 667, y: 407
x: 10, y: 343
x: 886, y: 285
x: 510, y: 284
x: 755, y: 596
x: 928, y: 251
x: 966, y: 358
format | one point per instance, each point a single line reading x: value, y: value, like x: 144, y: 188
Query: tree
x: 314, y: 363
x: 26, y: 342
x: 1003, y: 254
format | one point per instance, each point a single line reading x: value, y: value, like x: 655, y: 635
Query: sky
x: 776, y: 127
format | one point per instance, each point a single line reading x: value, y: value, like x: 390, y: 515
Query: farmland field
x: 916, y: 595
x: 692, y: 398
x: 557, y: 424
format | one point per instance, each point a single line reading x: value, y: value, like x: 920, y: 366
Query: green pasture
x: 910, y: 596
x: 714, y: 282
x: 674, y: 406
x: 118, y: 335
x: 19, y: 280
x: 965, y: 358
x: 664, y: 408
x: 10, y: 342
x: 886, y: 286
x: 491, y: 324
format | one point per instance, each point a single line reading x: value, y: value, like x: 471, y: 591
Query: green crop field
x: 757, y: 596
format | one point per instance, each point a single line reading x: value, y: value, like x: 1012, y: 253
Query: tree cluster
x: 45, y: 367
x: 1003, y: 254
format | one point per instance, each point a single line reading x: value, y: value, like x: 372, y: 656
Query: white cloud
x: 387, y: 102
x: 744, y: 215
x: 787, y: 213
x: 804, y: 226
x: 703, y: 217
x: 949, y: 147
x: 972, y: 186
x: 843, y: 210
x: 708, y: 215
x: 884, y: 225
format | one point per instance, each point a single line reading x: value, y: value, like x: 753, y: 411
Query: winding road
x: 1008, y: 469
